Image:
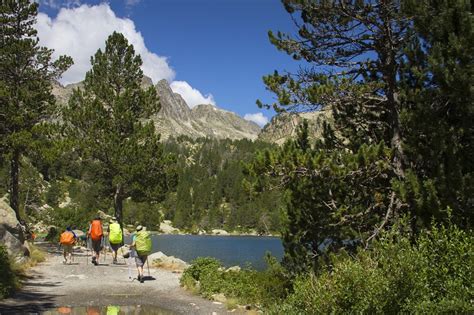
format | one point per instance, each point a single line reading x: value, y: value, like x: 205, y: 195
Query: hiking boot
x: 141, y: 279
x: 64, y: 261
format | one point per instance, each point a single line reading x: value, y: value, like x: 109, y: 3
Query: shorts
x: 67, y: 248
x: 115, y: 247
x: 96, y: 245
x: 140, y: 260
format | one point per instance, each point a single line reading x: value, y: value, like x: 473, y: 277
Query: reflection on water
x: 109, y: 310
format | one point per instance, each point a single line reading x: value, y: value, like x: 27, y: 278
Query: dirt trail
x: 52, y: 284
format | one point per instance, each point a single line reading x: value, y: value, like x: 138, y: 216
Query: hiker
x: 141, y: 243
x: 67, y: 240
x: 115, y: 237
x: 96, y: 234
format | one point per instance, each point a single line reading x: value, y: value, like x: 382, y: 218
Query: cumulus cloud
x: 257, y: 118
x: 80, y: 31
x: 192, y: 96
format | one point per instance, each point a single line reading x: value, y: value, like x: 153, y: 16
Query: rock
x: 233, y: 269
x: 219, y: 232
x: 167, y: 228
x: 284, y: 126
x: 219, y: 297
x: 160, y: 260
x: 11, y: 233
x: 79, y: 233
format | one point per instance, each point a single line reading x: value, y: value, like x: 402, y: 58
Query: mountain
x: 176, y: 118
x: 284, y: 126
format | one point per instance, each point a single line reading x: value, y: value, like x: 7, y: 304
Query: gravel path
x: 52, y: 284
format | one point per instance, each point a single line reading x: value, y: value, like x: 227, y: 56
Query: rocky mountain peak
x: 172, y: 104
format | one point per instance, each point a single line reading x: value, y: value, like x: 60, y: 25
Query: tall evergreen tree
x: 108, y: 118
x: 393, y: 85
x: 26, y: 75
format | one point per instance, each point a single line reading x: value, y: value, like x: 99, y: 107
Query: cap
x: 139, y: 228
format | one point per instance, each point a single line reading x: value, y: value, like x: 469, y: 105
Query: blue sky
x: 213, y: 51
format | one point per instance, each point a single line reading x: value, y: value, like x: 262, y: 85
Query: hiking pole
x: 129, y: 267
x: 148, y: 267
x: 105, y: 248
x: 87, y: 250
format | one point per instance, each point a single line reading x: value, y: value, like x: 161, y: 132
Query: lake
x: 230, y: 250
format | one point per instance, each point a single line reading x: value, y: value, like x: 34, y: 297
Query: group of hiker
x: 140, y: 246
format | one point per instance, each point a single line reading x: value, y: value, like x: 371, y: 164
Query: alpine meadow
x: 364, y: 174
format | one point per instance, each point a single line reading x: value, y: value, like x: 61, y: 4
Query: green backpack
x: 143, y: 243
x: 115, y: 236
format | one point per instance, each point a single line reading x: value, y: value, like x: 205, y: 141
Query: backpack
x: 67, y: 238
x: 96, y: 230
x: 143, y: 243
x: 115, y: 236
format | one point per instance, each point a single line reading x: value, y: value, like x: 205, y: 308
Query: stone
x: 11, y: 233
x: 233, y: 269
x: 160, y: 260
x: 219, y: 232
x: 219, y: 297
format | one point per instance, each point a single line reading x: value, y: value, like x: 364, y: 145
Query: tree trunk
x: 118, y: 205
x: 15, y: 177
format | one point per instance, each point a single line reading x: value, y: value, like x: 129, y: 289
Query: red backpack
x: 96, y: 230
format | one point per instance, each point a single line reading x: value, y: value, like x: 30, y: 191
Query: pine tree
x: 26, y: 75
x: 108, y: 118
x: 401, y: 95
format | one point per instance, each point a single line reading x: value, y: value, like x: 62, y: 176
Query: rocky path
x: 52, y: 285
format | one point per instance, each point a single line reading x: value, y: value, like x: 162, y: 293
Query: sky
x: 210, y: 51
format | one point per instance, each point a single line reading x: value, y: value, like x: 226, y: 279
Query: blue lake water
x: 230, y: 250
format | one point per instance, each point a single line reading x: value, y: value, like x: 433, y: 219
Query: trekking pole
x: 129, y: 267
x: 148, y: 267
x: 87, y: 250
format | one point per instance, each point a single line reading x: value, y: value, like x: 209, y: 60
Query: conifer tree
x: 26, y: 75
x: 108, y: 119
x: 393, y: 85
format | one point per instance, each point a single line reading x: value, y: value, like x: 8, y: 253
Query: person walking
x: 141, y: 243
x: 96, y: 234
x: 67, y: 241
x: 115, y: 237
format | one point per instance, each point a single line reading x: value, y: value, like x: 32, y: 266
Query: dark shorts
x: 115, y: 247
x: 140, y: 260
x: 96, y: 245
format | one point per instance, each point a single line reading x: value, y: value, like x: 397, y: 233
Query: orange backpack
x: 96, y: 230
x: 67, y: 238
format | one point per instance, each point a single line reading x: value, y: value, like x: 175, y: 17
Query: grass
x: 11, y: 273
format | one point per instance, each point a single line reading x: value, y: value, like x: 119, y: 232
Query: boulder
x: 160, y: 260
x: 233, y: 269
x: 167, y: 228
x: 219, y: 232
x: 12, y: 232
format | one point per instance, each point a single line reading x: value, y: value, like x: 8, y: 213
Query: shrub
x: 7, y: 276
x: 247, y: 286
x: 434, y: 275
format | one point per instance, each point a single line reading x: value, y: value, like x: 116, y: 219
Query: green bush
x: 434, y: 275
x: 7, y: 276
x: 207, y: 277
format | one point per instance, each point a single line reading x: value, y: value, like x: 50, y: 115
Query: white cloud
x: 192, y: 96
x: 80, y: 31
x: 257, y: 118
